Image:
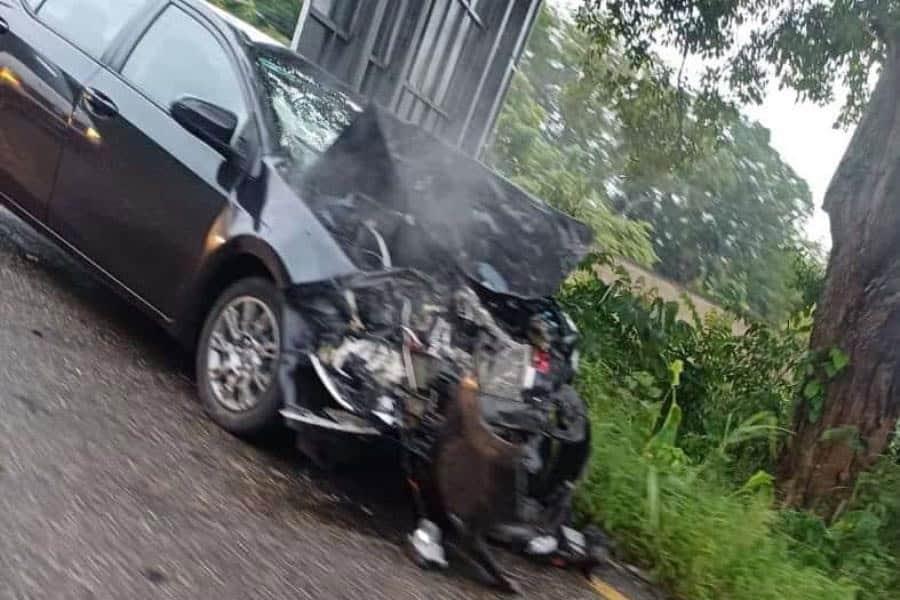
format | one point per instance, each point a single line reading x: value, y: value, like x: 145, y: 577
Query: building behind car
x: 443, y: 64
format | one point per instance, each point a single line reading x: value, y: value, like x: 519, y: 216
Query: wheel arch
x: 240, y: 258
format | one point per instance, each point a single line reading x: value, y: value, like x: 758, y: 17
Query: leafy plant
x: 729, y: 386
x: 697, y: 538
x: 687, y: 418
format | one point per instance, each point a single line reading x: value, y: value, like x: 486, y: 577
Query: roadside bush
x: 687, y: 421
x: 700, y: 539
x: 735, y: 391
x: 863, y: 544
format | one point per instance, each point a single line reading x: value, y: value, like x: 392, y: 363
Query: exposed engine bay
x: 447, y: 340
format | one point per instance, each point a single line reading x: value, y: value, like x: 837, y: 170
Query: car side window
x: 89, y: 24
x: 179, y: 57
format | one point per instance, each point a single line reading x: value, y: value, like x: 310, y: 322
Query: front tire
x: 238, y: 355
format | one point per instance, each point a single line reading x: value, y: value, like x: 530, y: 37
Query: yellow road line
x: 605, y: 590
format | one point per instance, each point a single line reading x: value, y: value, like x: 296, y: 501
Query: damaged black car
x: 446, y: 338
x: 336, y: 269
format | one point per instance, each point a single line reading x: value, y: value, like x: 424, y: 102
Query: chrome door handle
x: 99, y: 104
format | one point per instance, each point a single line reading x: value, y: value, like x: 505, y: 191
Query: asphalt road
x: 113, y: 484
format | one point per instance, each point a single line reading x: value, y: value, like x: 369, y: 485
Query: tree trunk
x: 859, y: 312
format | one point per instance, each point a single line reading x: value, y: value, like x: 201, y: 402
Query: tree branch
x: 679, y: 90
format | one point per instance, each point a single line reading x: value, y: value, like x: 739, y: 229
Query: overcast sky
x: 803, y: 136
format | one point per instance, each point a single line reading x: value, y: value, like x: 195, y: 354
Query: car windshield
x: 309, y: 115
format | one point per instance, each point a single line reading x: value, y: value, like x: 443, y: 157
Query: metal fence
x: 444, y: 64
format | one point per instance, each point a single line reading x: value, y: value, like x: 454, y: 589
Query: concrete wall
x: 668, y: 290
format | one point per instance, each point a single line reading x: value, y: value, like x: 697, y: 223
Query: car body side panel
x: 137, y: 192
x: 309, y: 251
x: 152, y: 209
x: 41, y: 78
x: 281, y: 232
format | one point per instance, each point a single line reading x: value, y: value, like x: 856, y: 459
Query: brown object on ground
x: 475, y: 472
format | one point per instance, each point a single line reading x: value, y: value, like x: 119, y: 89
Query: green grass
x: 700, y: 540
x: 686, y: 423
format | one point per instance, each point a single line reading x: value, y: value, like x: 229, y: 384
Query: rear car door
x: 48, y: 49
x: 139, y: 193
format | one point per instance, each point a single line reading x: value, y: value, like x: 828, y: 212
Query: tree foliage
x: 820, y: 49
x: 604, y: 139
x: 539, y: 146
x: 728, y: 222
x: 276, y: 17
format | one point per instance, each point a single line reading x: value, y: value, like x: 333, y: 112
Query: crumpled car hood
x: 437, y: 210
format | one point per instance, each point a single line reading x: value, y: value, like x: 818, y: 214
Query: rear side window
x: 89, y: 24
x: 179, y: 57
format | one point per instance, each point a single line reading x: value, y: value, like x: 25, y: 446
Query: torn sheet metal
x: 388, y: 345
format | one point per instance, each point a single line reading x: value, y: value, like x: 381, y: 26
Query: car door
x: 48, y: 49
x: 139, y: 193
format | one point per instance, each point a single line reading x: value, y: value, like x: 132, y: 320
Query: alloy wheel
x: 242, y: 353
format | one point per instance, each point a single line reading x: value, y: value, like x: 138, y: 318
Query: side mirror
x: 212, y: 124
